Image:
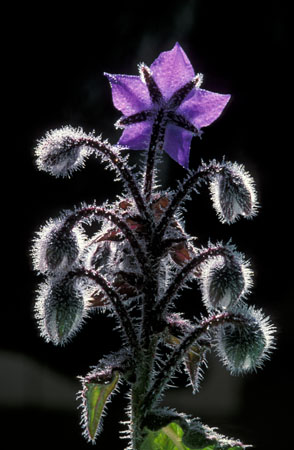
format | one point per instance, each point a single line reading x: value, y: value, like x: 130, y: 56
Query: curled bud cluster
x: 56, y: 247
x: 62, y: 151
x: 233, y: 193
x: 60, y: 309
x: 225, y: 280
x: 244, y: 346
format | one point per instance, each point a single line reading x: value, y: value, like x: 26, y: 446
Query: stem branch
x: 89, y: 211
x: 115, y: 300
x: 168, y: 369
x: 182, y: 275
x: 111, y: 153
x: 156, y: 136
x: 202, y: 174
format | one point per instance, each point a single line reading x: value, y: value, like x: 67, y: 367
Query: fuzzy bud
x: 224, y: 280
x: 62, y: 151
x: 233, y: 193
x: 243, y: 347
x: 56, y: 248
x: 60, y: 310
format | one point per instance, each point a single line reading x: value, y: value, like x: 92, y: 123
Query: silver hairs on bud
x: 62, y: 151
x: 244, y: 346
x: 56, y: 248
x: 233, y: 193
x: 60, y: 310
x: 224, y: 281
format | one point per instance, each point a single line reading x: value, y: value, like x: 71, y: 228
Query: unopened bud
x: 56, y: 248
x: 244, y: 346
x: 62, y: 151
x: 224, y: 281
x: 60, y: 310
x: 233, y: 193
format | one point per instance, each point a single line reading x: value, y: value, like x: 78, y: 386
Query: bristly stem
x: 166, y: 372
x: 182, y: 275
x: 204, y: 173
x: 88, y: 211
x: 156, y: 139
x: 115, y: 300
x: 111, y: 153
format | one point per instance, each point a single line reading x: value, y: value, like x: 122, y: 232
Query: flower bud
x: 243, y: 347
x: 224, y: 280
x: 62, y: 151
x: 60, y: 310
x: 56, y: 248
x: 233, y: 194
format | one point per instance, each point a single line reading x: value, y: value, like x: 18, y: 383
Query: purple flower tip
x: 167, y: 96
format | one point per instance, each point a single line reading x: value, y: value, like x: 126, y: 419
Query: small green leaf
x: 194, y: 358
x: 195, y: 437
x: 95, y: 395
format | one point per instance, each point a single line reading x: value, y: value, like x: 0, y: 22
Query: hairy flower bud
x: 55, y: 247
x: 62, y: 151
x: 233, y: 193
x: 224, y: 280
x: 60, y: 310
x: 243, y: 347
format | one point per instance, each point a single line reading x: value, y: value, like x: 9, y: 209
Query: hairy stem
x: 111, y: 153
x: 168, y: 369
x: 182, y: 275
x: 202, y: 174
x: 115, y: 301
x: 156, y: 137
x: 144, y: 378
x: 149, y: 299
x: 86, y: 212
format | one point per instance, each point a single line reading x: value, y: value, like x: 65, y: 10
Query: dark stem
x: 111, y: 153
x: 84, y: 213
x: 182, y: 275
x: 144, y: 378
x: 202, y: 174
x: 157, y: 137
x: 115, y: 300
x: 149, y: 299
x: 168, y: 369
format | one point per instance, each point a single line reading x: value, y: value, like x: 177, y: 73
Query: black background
x: 56, y: 60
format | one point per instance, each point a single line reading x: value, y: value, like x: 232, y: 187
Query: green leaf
x: 167, y: 438
x: 195, y: 437
x: 193, y: 360
x: 95, y: 395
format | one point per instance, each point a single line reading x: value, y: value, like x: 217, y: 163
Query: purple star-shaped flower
x: 164, y: 107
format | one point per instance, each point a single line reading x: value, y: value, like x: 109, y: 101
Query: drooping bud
x: 60, y: 310
x: 233, y: 193
x: 244, y: 346
x: 224, y: 280
x: 62, y: 151
x: 56, y: 247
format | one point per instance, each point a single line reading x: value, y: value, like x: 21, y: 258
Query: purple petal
x: 129, y: 94
x: 203, y: 107
x: 172, y: 70
x: 177, y: 142
x: 137, y: 136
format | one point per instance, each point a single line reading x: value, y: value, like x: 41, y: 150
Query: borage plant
x: 135, y: 267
